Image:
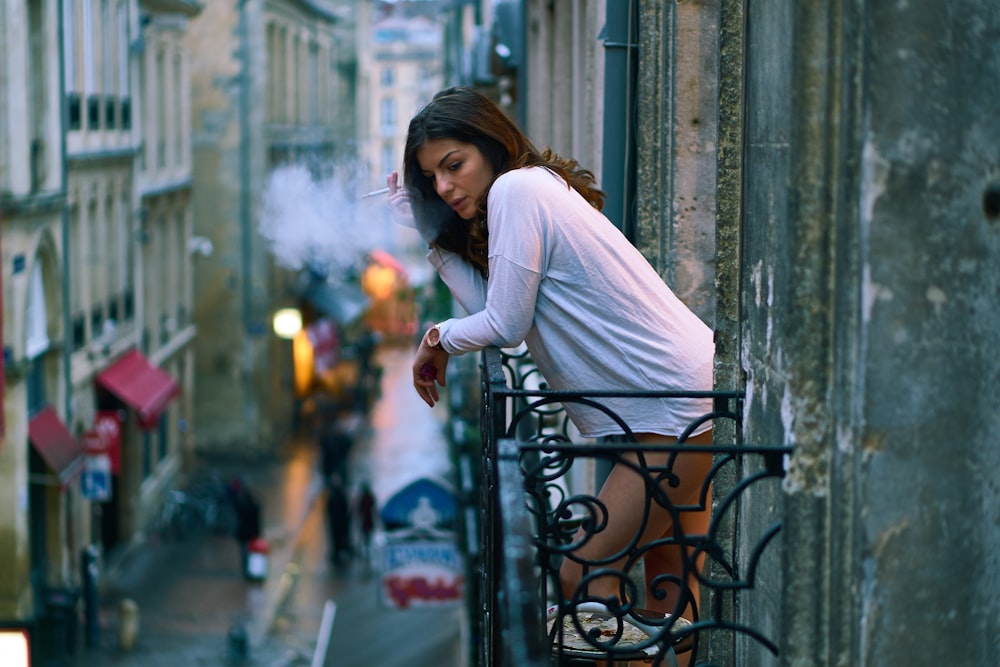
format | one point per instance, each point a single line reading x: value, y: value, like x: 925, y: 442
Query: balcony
x: 531, y: 518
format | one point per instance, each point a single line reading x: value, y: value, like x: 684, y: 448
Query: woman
x: 518, y: 237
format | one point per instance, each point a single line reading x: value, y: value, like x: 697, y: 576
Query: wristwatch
x: 434, y: 338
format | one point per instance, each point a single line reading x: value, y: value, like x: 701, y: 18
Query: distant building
x: 273, y: 85
x: 400, y: 62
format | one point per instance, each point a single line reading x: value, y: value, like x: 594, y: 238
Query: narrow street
x: 193, y: 600
x: 406, y: 443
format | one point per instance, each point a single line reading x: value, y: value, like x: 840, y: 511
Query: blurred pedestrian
x: 338, y: 519
x: 334, y: 444
x: 248, y: 520
x: 366, y: 512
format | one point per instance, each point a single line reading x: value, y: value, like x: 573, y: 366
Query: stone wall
x: 870, y: 323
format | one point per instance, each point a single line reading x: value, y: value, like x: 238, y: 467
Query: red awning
x: 140, y: 385
x: 59, y: 449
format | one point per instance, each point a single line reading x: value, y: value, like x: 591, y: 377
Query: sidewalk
x: 194, y: 605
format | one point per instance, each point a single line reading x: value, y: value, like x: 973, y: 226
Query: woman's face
x: 459, y: 173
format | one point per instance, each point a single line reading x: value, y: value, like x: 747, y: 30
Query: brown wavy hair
x: 462, y: 114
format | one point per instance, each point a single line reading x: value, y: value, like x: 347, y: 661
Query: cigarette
x: 375, y: 193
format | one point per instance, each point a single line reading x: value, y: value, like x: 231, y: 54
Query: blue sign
x: 424, y: 504
x: 95, y: 482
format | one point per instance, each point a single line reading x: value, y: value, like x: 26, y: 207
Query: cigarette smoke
x: 320, y: 224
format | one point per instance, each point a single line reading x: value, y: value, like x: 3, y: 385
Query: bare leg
x: 624, y: 495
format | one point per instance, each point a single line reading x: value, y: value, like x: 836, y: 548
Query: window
x: 388, y: 159
x: 74, y: 111
x: 89, y: 84
x: 123, y: 49
x: 272, y: 73
x: 388, y: 76
x: 178, y: 95
x: 93, y: 112
x: 69, y: 47
x: 108, y: 55
x: 37, y: 317
x: 388, y: 117
x: 160, y: 127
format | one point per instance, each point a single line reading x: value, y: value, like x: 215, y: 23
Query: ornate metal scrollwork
x: 530, y: 452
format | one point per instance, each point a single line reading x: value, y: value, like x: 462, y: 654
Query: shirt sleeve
x: 464, y: 282
x: 507, y: 318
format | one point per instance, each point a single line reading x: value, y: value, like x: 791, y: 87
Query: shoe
x: 591, y: 616
x: 630, y: 618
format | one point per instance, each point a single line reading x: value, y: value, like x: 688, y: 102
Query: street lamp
x: 287, y: 322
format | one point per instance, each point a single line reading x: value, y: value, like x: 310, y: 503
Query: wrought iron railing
x: 530, y: 518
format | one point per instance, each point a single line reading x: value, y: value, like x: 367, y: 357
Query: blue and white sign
x: 421, y: 563
x: 95, y: 482
x: 425, y: 504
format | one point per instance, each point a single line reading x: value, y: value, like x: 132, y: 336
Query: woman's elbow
x: 509, y: 337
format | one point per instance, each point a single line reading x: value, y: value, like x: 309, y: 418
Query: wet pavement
x: 196, y: 608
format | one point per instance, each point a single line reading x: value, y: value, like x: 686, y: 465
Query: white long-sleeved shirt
x: 592, y: 311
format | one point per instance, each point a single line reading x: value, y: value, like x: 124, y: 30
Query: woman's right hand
x: 429, y: 370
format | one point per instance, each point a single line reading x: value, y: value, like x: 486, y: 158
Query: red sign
x: 93, y: 444
x: 421, y: 572
x: 108, y: 429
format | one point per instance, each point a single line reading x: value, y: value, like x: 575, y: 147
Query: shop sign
x: 421, y: 573
x: 108, y: 427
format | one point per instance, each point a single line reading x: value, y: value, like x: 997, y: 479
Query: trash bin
x: 59, y: 621
x: 257, y: 559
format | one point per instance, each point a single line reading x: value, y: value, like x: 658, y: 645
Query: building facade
x: 40, y: 503
x: 96, y: 283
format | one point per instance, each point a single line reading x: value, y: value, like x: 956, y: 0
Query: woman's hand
x: 429, y: 367
x: 399, y: 202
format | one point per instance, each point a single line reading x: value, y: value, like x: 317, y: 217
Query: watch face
x: 434, y: 337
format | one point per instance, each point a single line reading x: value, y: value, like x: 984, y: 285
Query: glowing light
x: 378, y: 281
x: 287, y: 322
x: 14, y: 648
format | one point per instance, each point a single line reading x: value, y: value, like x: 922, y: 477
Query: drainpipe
x: 522, y: 65
x: 621, y: 66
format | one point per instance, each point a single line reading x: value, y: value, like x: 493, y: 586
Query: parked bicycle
x: 202, y: 505
x: 177, y: 518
